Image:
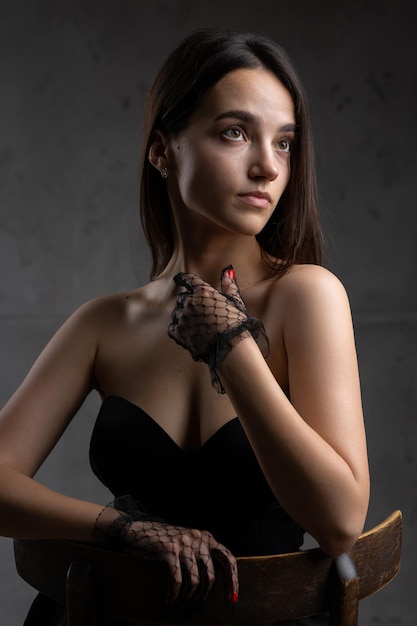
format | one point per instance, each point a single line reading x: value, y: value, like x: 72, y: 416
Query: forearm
x: 29, y: 510
x: 313, y: 483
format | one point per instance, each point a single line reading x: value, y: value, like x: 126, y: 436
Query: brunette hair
x: 293, y: 233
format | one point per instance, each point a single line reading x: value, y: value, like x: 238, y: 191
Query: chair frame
x: 95, y: 582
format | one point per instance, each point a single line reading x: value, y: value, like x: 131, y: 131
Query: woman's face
x: 232, y: 163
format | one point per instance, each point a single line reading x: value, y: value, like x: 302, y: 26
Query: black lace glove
x: 188, y: 552
x: 208, y: 323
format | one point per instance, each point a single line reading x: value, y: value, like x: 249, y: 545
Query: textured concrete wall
x: 73, y: 77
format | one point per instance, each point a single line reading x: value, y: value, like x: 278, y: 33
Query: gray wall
x: 73, y: 78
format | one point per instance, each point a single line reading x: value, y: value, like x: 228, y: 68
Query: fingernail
x: 234, y: 598
x: 231, y: 273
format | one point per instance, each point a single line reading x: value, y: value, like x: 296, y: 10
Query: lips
x: 260, y: 199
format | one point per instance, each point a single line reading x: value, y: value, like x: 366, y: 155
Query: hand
x: 208, y: 322
x: 189, y: 554
x: 202, y: 313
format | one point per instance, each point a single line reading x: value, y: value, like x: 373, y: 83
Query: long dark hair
x: 293, y: 233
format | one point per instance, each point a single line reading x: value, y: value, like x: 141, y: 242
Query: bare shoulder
x: 76, y: 341
x: 307, y: 281
x: 101, y: 311
x: 306, y: 288
x: 311, y: 301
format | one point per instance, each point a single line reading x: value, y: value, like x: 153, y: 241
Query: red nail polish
x: 234, y: 598
x: 231, y: 274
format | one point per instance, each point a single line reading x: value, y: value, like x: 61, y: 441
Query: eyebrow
x: 245, y: 116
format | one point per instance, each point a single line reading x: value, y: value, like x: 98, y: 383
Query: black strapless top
x: 220, y: 488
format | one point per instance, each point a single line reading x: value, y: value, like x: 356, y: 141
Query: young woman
x: 231, y: 419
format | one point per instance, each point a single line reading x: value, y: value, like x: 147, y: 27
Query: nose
x: 264, y: 163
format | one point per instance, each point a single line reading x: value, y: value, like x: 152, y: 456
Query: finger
x: 228, y: 281
x: 188, y: 280
x: 175, y: 571
x: 206, y: 562
x: 190, y: 577
x: 182, y: 296
x: 229, y: 566
x: 177, y: 312
x: 204, y: 587
x: 185, y: 590
x: 229, y: 287
x: 181, y: 281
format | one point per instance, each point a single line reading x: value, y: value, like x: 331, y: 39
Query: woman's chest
x: 150, y: 370
x: 138, y: 361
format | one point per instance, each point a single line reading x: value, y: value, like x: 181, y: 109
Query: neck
x: 208, y: 257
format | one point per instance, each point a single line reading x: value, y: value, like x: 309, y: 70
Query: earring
x: 164, y: 173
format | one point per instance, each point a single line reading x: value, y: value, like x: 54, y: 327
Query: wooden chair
x: 96, y: 583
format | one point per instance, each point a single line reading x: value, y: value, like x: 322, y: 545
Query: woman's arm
x: 30, y: 425
x: 311, y: 446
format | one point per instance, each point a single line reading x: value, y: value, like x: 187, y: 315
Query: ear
x: 158, y: 150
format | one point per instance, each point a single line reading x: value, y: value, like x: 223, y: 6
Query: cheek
x: 285, y: 172
x: 288, y: 174
x: 201, y: 177
x: 185, y: 172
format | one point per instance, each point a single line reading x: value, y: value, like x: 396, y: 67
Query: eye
x: 284, y: 144
x: 234, y: 133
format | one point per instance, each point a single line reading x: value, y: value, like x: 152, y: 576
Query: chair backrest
x: 94, y: 582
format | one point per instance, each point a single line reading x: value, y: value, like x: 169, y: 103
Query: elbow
x: 335, y: 546
x: 339, y: 540
x: 343, y: 529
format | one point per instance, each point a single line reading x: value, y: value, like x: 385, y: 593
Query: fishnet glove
x: 189, y: 553
x: 208, y: 322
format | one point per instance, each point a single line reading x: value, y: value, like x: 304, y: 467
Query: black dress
x: 220, y: 488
